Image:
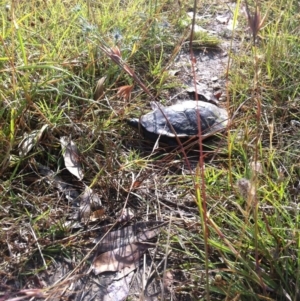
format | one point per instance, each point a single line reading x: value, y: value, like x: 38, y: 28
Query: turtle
x: 181, y: 120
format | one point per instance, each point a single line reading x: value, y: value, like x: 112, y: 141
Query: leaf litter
x: 89, y: 202
x: 137, y: 233
x: 56, y: 181
x: 119, y: 259
x: 71, y: 157
x: 31, y: 140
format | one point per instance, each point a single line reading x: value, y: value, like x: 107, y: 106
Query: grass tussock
x: 232, y: 209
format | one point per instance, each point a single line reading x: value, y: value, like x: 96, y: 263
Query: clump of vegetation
x: 75, y: 71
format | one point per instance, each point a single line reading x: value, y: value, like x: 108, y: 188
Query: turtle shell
x: 184, y: 119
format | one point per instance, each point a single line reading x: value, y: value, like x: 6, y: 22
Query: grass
x: 234, y: 218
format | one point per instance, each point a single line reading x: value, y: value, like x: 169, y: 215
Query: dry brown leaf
x: 122, y: 249
x: 137, y: 233
x: 71, y: 157
x: 99, y: 88
x: 119, y: 258
x: 89, y: 196
x: 97, y: 214
x: 30, y: 140
x: 89, y: 201
x: 118, y: 290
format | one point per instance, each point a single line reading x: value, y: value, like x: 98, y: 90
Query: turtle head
x: 134, y: 122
